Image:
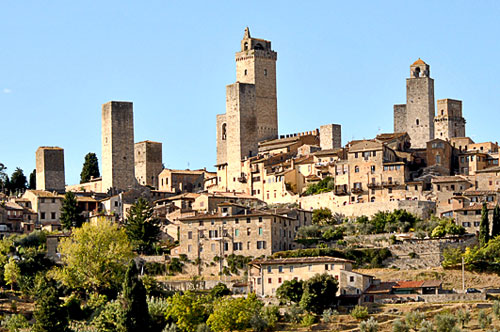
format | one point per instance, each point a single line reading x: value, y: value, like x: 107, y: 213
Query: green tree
x: 463, y: 316
x: 484, y: 319
x: 32, y: 180
x: 231, y: 314
x: 322, y: 216
x: 90, y: 168
x: 17, y: 180
x: 484, y: 226
x: 319, y: 293
x: 495, y: 230
x: 15, y: 323
x: 446, y: 322
x: 290, y: 291
x: 414, y: 319
x: 135, y: 307
x: 95, y: 257
x: 70, y: 213
x: 141, y: 227
x: 359, y: 312
x: 220, y: 290
x: 50, y: 316
x: 12, y: 273
x: 187, y: 310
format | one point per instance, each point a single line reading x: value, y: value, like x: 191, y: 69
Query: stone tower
x: 417, y: 116
x: 330, y: 136
x: 118, y: 146
x: 50, y: 169
x: 449, y: 121
x: 251, y: 104
x: 148, y: 163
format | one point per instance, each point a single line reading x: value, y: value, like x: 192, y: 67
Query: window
x: 53, y: 200
x: 355, y: 155
x: 280, y: 269
x: 248, y: 220
x: 226, y: 246
x: 261, y: 244
x: 237, y: 246
x: 42, y: 215
x: 351, y: 279
x: 269, y: 280
x: 332, y: 266
x: 212, y: 247
x: 116, y: 203
x: 260, y: 219
x: 259, y: 281
x: 246, y: 72
x: 466, y: 224
x: 269, y: 269
x: 260, y: 231
x: 373, y: 169
x: 291, y: 268
x: 236, y: 221
x: 236, y: 232
x: 417, y: 122
x: 356, y: 169
x: 190, y: 247
x: 53, y: 215
x: 309, y: 268
x: 224, y: 126
x: 249, y: 231
x: 265, y: 72
x: 326, y: 267
x: 476, y: 223
x: 279, y: 280
x: 212, y: 234
x: 190, y: 235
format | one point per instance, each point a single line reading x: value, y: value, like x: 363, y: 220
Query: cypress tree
x: 484, y: 226
x: 495, y: 230
x: 90, y: 168
x: 135, y: 308
x: 50, y: 316
x: 32, y: 181
x: 70, y: 213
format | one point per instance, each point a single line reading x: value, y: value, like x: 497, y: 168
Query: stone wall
x: 420, y: 110
x: 50, y: 169
x: 400, y: 118
x: 148, y: 162
x: 330, y: 136
x: 423, y: 209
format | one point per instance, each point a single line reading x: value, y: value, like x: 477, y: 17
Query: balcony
x: 356, y: 190
x: 373, y: 185
x: 242, y: 179
x: 390, y: 183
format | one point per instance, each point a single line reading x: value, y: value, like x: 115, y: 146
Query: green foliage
x: 414, y: 319
x: 322, y: 216
x: 187, y: 310
x: 399, y: 326
x: 463, y: 316
x: 233, y: 313
x: 12, y: 273
x: 329, y: 315
x: 486, y: 258
x: 110, y: 318
x: 325, y: 185
x: 133, y: 300
x: 94, y: 257
x: 484, y: 319
x: 32, y: 180
x: 308, y: 320
x: 90, y: 168
x: 15, y: 323
x: 141, y: 227
x: 359, y: 312
x: 290, y: 291
x: 496, y: 308
x: 484, y: 226
x: 50, y: 316
x: 157, y: 308
x: 383, y: 222
x: 495, y: 227
x: 294, y: 313
x: 447, y: 226
x: 426, y: 326
x: 370, y: 325
x: 17, y: 181
x: 237, y: 262
x: 175, y: 266
x: 445, y: 322
x: 451, y: 257
x: 73, y: 307
x: 70, y: 213
x: 319, y: 293
x: 153, y: 288
x: 220, y: 290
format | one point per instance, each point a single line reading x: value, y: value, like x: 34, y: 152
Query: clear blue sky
x: 338, y: 62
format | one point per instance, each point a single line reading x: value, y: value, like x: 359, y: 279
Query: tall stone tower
x: 148, y: 163
x: 50, y: 169
x: 251, y: 104
x: 118, y: 146
x: 417, y: 116
x: 449, y: 121
x: 330, y: 136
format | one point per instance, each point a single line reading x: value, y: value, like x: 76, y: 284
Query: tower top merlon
x: 420, y: 69
x: 248, y: 43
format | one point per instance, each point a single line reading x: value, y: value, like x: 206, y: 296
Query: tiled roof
x: 456, y: 178
x: 300, y: 260
x: 43, y: 193
x: 419, y: 62
x: 382, y: 288
x: 365, y: 145
x: 390, y: 136
x: 408, y: 284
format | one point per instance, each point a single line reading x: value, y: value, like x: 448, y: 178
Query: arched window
x: 246, y: 46
x: 356, y: 169
x: 372, y: 199
x: 417, y: 72
x: 224, y: 134
x: 418, y: 122
x: 442, y: 112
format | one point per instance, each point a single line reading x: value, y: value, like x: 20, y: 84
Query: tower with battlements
x: 449, y: 121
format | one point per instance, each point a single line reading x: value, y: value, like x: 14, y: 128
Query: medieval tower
x: 118, y: 146
x: 449, y: 121
x: 251, y: 105
x: 416, y: 117
x: 148, y: 163
x: 50, y: 169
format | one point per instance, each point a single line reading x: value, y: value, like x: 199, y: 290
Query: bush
x: 220, y: 290
x: 463, y: 316
x: 157, y: 308
x: 484, y: 319
x: 359, y: 312
x: 370, y: 325
x: 329, y: 315
x: 15, y: 323
x: 414, y: 319
x: 294, y: 313
x: 308, y: 320
x: 445, y: 322
x: 496, y: 309
x: 426, y: 326
x: 290, y: 291
x: 399, y: 326
x: 452, y: 257
x: 319, y: 293
x: 270, y: 314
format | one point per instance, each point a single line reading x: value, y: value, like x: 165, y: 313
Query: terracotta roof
x: 43, y: 193
x: 382, y: 288
x: 85, y: 199
x: 408, y: 284
x: 13, y: 206
x: 419, y: 62
x: 327, y: 152
x: 300, y: 260
x: 365, y: 145
x: 390, y: 136
x: 473, y: 191
x: 456, y: 178
x: 432, y: 283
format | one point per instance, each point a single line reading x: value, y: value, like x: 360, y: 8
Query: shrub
x: 370, y: 325
x: 319, y: 293
x: 399, y: 326
x: 308, y: 320
x: 463, y: 316
x: 445, y: 322
x: 294, y: 313
x: 15, y: 323
x: 484, y: 319
x: 359, y: 312
x: 220, y: 290
x: 426, y: 326
x: 270, y: 314
x: 157, y: 308
x: 496, y: 309
x: 413, y: 319
x: 290, y: 291
x: 329, y: 315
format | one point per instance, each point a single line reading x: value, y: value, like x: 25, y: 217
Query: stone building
x: 148, y: 163
x: 183, y: 180
x: 50, y: 169
x: 118, y: 169
x: 267, y: 275
x: 46, y: 204
x: 416, y: 117
x: 449, y: 121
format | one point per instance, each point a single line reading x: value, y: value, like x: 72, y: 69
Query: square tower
x: 148, y: 163
x: 118, y: 169
x: 449, y: 121
x: 50, y: 169
x: 420, y: 105
x: 330, y: 136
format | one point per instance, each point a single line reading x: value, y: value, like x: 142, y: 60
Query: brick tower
x: 449, y: 121
x: 417, y: 116
x: 118, y: 146
x: 251, y: 106
x: 50, y: 169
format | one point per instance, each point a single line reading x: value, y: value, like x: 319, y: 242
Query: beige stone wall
x: 420, y: 110
x: 400, y: 118
x: 330, y: 136
x: 221, y: 139
x: 92, y: 186
x: 449, y: 121
x: 50, y: 169
x: 148, y: 163
x: 118, y: 169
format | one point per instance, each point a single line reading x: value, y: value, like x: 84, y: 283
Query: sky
x: 339, y: 62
